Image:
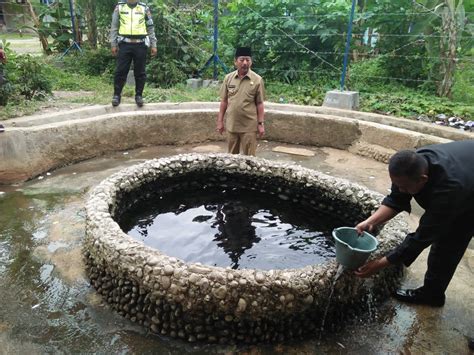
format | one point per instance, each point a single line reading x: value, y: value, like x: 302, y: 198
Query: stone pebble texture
x: 195, y: 302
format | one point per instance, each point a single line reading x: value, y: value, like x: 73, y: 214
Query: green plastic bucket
x: 352, y: 249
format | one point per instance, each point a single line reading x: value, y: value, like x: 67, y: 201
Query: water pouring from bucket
x: 352, y: 249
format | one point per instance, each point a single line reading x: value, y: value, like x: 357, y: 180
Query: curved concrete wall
x: 194, y: 302
x: 33, y: 145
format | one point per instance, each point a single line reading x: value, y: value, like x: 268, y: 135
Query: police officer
x: 132, y: 28
x: 242, y: 94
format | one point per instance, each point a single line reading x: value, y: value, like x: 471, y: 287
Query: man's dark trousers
x: 445, y: 254
x: 128, y: 52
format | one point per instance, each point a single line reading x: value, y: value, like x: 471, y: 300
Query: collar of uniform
x: 248, y: 75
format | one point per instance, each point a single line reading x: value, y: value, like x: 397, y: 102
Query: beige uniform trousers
x: 243, y: 143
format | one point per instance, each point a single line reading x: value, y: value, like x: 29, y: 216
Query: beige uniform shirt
x: 242, y: 96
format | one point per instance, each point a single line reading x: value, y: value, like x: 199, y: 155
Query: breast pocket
x: 251, y: 94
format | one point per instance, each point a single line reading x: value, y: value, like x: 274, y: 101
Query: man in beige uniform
x: 242, y: 94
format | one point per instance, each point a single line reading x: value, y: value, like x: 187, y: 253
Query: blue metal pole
x: 216, y: 35
x: 348, y: 45
x: 73, y: 21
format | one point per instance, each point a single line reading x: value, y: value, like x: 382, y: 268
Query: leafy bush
x: 91, y: 62
x: 29, y: 77
x: 463, y: 89
x: 164, y: 74
x: 366, y: 73
x: 6, y: 89
x: 403, y: 102
x: 26, y: 76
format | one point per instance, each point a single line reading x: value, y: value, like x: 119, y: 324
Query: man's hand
x: 261, y: 130
x: 372, y: 267
x: 364, y: 226
x: 114, y: 51
x: 154, y: 51
x: 220, y: 126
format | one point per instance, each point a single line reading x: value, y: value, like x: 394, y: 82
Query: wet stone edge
x: 197, y: 302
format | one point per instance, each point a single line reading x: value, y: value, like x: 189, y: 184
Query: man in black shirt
x: 441, y: 179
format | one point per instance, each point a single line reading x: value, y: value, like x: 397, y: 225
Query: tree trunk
x: 91, y: 19
x: 37, y: 24
x: 448, y: 44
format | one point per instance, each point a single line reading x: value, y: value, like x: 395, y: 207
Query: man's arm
x: 220, y: 116
x: 114, y: 28
x: 222, y: 107
x: 150, y: 29
x: 260, y: 108
x: 260, y: 119
x: 382, y: 215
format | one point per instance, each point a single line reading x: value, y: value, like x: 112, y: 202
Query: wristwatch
x: 260, y: 123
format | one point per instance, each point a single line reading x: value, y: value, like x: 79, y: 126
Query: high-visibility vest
x: 132, y: 20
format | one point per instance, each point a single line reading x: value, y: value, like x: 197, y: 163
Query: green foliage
x: 404, y: 102
x: 91, y: 62
x: 6, y: 90
x: 301, y: 93
x: 165, y: 74
x: 181, y: 45
x: 65, y: 80
x: 25, y: 76
x: 463, y: 90
x: 269, y: 26
x: 55, y: 23
x: 366, y: 73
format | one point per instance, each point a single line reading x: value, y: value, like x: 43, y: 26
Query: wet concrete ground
x: 47, y: 305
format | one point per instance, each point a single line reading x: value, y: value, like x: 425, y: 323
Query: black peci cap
x: 243, y: 52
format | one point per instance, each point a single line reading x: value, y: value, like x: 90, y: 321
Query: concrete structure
x: 348, y: 100
x: 196, y: 302
x: 194, y: 83
x: 13, y: 14
x: 32, y: 145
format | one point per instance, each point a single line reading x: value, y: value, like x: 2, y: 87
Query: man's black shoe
x: 139, y: 100
x: 420, y: 296
x: 470, y: 344
x: 115, y: 100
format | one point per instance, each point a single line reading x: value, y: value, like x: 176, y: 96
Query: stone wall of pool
x: 196, y: 302
x: 33, y: 145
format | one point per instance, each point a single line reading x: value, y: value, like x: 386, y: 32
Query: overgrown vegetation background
x: 407, y: 57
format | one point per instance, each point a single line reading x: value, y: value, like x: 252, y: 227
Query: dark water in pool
x: 232, y: 228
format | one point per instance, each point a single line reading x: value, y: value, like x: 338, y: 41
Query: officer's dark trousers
x: 446, y: 253
x: 128, y: 52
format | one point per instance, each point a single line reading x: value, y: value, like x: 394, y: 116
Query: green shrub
x: 29, y: 77
x: 93, y: 62
x: 366, y: 73
x: 164, y: 74
x: 463, y: 89
x: 6, y: 89
x: 26, y: 76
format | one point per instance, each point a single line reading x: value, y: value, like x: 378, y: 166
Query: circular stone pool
x: 193, y: 301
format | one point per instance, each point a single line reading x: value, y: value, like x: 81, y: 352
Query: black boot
x: 115, y: 100
x: 420, y: 296
x: 139, y: 100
